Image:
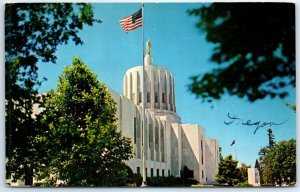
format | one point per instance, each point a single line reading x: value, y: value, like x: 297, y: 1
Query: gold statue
x: 148, y: 47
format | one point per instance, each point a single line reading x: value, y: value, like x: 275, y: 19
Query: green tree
x: 254, y: 48
x: 228, y: 173
x: 243, y: 169
x: 80, y: 137
x: 280, y: 163
x: 32, y: 34
x: 265, y: 169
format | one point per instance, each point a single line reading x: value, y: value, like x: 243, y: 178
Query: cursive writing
x: 256, y: 124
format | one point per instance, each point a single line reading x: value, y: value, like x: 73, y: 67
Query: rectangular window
x: 150, y: 134
x: 157, y: 172
x: 202, y: 174
x: 163, y: 173
x: 163, y: 98
x: 202, y: 151
x: 140, y: 97
x: 146, y: 172
x: 142, y: 133
x: 138, y: 170
x: 169, y: 173
x: 134, y: 129
x: 133, y: 97
x: 148, y: 97
x: 151, y: 172
x: 156, y: 98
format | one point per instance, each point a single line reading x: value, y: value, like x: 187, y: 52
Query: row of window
x: 138, y: 170
x: 155, y: 97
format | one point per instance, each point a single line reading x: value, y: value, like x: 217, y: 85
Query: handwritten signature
x: 257, y: 124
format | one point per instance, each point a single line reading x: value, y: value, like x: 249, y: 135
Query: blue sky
x: 179, y: 46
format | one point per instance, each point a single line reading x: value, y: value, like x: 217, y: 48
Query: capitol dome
x: 159, y: 85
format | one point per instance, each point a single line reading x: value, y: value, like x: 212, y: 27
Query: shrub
x: 244, y: 184
x: 169, y: 181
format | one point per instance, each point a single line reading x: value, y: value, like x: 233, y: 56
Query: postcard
x: 150, y: 94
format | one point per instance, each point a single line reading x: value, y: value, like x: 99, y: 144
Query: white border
x: 3, y: 188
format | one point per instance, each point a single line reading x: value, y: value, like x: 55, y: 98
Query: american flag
x: 132, y: 22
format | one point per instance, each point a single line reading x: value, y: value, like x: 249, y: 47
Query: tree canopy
x: 80, y: 137
x: 280, y: 163
x: 32, y: 33
x: 254, y: 48
x: 227, y: 171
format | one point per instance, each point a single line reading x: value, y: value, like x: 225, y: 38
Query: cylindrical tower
x: 159, y: 84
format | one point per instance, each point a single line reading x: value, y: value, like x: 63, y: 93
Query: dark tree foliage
x: 271, y: 139
x: 228, y: 172
x: 254, y: 47
x: 243, y: 172
x: 263, y: 152
x: 220, y: 152
x: 32, y: 34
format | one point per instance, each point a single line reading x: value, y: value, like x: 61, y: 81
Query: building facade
x: 253, y: 177
x: 169, y: 144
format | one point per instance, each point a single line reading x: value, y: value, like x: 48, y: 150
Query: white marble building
x: 169, y: 144
x: 253, y: 177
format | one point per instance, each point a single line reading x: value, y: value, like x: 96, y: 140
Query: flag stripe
x: 129, y: 27
x: 132, y: 22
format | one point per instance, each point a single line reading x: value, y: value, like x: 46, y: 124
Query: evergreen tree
x: 243, y: 169
x: 220, y: 152
x: 80, y: 137
x: 271, y: 139
x: 228, y: 173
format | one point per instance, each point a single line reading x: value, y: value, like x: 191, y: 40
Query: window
x: 146, y: 171
x: 156, y: 97
x: 149, y: 135
x: 138, y: 170
x: 163, y: 98
x: 151, y: 172
x: 202, y: 174
x: 142, y: 133
x: 134, y: 129
x: 148, y: 97
x: 157, y: 172
x: 133, y: 97
x: 163, y: 173
x: 169, y: 173
x: 202, y: 151
x: 140, y: 97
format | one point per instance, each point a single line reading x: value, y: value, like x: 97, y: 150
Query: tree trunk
x: 28, y: 175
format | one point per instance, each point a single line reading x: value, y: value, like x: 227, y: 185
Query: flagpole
x: 144, y: 107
